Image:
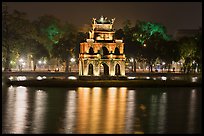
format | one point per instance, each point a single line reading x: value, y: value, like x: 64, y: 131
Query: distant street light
x: 21, y: 60
x: 132, y: 62
x: 72, y: 59
x: 40, y: 62
x: 21, y: 64
x: 144, y: 45
x: 44, y: 62
x: 131, y: 59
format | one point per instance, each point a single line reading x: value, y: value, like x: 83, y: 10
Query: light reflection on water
x: 16, y: 109
x: 192, y: 111
x: 70, y: 112
x: 39, y: 111
x: 101, y: 110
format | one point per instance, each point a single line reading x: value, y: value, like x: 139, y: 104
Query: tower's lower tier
x: 101, y: 67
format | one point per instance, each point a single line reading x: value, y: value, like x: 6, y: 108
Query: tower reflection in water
x: 101, y: 110
x: 107, y: 110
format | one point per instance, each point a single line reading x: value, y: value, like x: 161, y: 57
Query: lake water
x: 98, y: 110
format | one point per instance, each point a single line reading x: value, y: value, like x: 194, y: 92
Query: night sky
x: 173, y: 15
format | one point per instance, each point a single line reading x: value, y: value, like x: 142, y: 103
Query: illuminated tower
x: 101, y: 54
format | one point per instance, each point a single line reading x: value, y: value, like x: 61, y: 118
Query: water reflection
x: 70, y: 111
x: 121, y: 110
x: 40, y: 105
x: 153, y: 113
x: 95, y: 110
x: 192, y: 110
x: 83, y: 110
x: 162, y: 113
x: 110, y: 110
x: 101, y: 114
x: 101, y: 110
x: 130, y: 111
x: 157, y: 114
x: 16, y: 110
x: 9, y: 110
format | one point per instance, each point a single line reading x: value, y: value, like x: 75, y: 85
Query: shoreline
x: 103, y: 83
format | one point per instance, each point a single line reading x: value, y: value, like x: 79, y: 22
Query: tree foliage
x: 65, y: 47
x: 145, y: 39
x: 191, y: 51
x: 16, y: 31
x: 49, y: 31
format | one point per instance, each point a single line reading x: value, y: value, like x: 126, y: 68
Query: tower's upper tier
x: 102, y: 24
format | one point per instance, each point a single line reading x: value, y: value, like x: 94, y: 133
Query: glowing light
x: 21, y: 60
x: 57, y: 69
x: 72, y: 78
x: 12, y: 62
x: 123, y: 88
x: 72, y: 59
x: 21, y: 78
x: 40, y: 62
x: 90, y: 40
x: 163, y: 78
x: 194, y: 79
x: 131, y: 77
x: 131, y: 59
x: 44, y: 77
x: 23, y: 63
x: 39, y: 78
x: 163, y: 63
x: 119, y: 41
x: 98, y: 55
x: 147, y: 77
x: 10, y: 78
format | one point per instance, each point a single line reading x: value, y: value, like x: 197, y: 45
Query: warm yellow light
x: 111, y: 55
x: 119, y: 41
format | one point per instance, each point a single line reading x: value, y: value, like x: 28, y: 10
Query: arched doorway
x: 117, y: 69
x: 104, y: 69
x: 91, y: 51
x: 117, y: 52
x: 90, y: 72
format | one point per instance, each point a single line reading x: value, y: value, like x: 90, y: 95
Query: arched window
x: 117, y: 69
x: 105, y: 51
x: 91, y: 51
x: 105, y: 69
x: 117, y: 52
x: 90, y: 72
